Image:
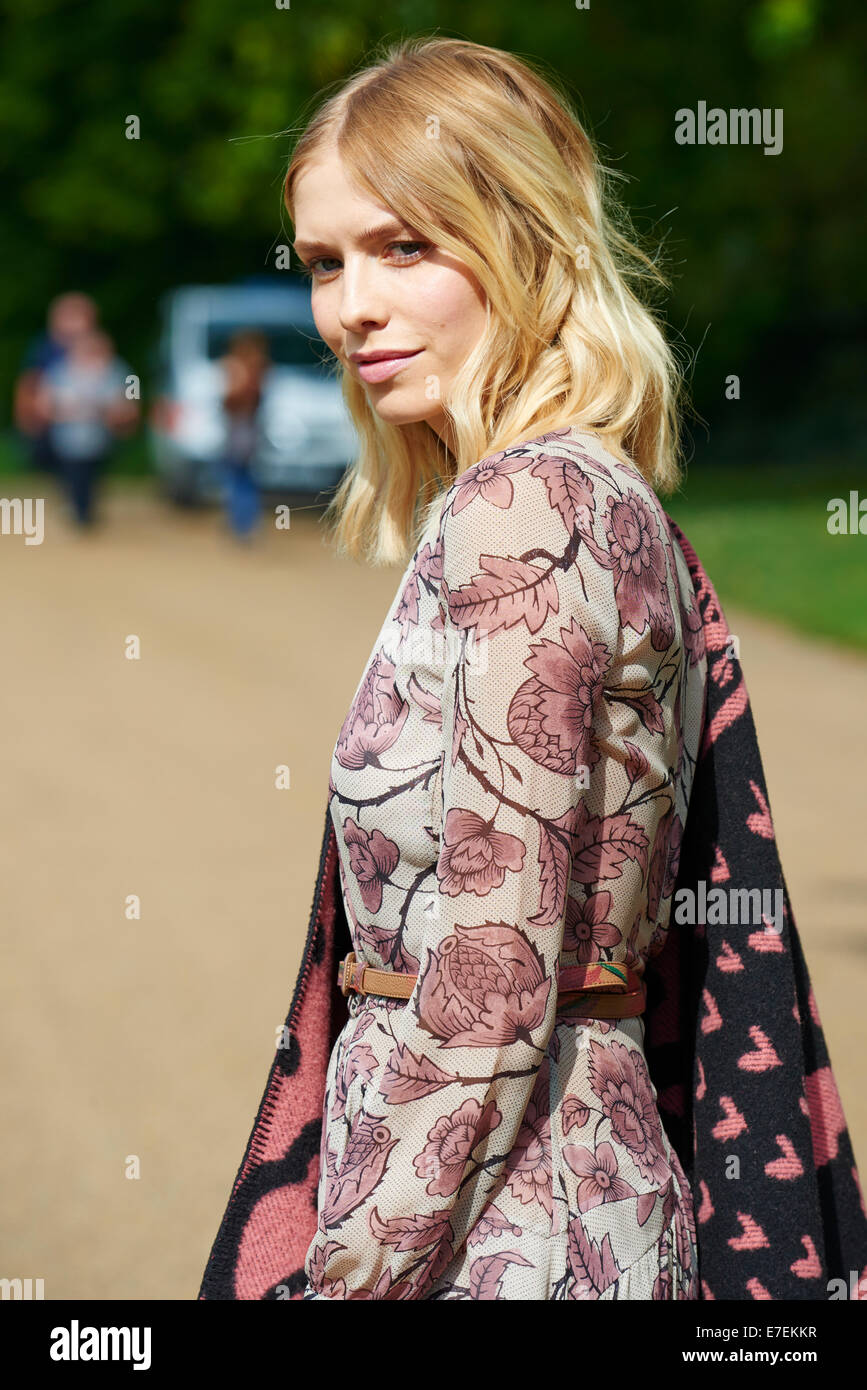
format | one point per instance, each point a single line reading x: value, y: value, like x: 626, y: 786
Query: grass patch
x: 762, y: 536
x: 132, y: 459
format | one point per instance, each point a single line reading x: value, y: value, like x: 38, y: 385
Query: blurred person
x: 245, y: 366
x: 81, y: 396
x: 70, y: 315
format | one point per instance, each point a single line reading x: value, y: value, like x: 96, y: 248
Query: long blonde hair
x: 486, y: 158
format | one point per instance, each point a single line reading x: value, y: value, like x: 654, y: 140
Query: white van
x: 305, y: 438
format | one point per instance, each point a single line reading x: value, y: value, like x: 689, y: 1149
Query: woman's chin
x: 396, y: 412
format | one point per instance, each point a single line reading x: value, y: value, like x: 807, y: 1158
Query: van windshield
x: 289, y: 346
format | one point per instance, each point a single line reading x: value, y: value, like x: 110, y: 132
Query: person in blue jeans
x: 70, y: 316
x: 82, y: 395
x: 244, y: 365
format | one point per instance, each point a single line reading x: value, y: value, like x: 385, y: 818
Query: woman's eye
x: 409, y: 243
x: 309, y: 269
x: 416, y: 248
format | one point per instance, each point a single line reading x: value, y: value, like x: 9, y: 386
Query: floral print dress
x: 509, y: 790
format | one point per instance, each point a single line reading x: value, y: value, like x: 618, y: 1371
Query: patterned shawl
x: 733, y: 1041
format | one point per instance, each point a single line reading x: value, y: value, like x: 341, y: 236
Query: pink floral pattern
x: 474, y: 856
x: 509, y: 790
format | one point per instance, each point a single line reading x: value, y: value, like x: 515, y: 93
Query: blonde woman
x: 510, y: 786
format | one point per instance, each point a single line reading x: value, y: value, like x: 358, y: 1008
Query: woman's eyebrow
x: 368, y: 235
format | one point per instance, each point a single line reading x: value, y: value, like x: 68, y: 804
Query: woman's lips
x: 385, y: 367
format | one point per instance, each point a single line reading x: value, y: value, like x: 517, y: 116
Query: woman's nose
x: 363, y: 297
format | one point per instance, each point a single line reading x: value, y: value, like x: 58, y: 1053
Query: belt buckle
x: 344, y: 973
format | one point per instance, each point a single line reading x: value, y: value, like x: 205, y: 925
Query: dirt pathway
x: 156, y: 777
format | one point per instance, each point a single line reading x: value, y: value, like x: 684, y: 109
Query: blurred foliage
x: 764, y: 250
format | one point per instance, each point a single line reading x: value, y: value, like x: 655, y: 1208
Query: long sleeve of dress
x: 530, y: 627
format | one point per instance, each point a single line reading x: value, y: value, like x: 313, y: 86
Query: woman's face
x: 387, y: 292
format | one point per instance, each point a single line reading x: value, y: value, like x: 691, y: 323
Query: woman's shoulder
x: 566, y: 477
x: 563, y: 503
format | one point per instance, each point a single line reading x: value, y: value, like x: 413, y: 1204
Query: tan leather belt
x: 602, y: 989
